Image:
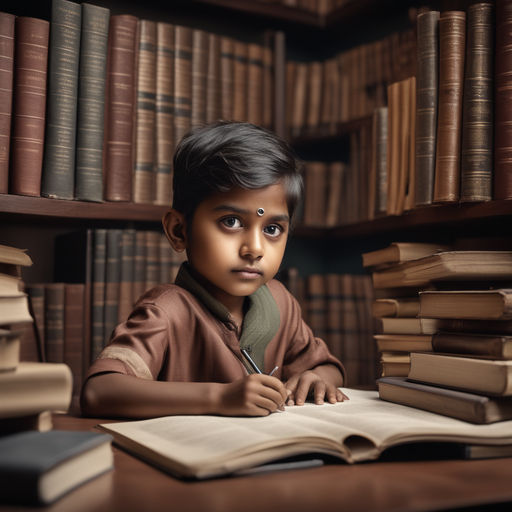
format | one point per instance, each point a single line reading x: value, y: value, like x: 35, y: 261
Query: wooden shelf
x: 42, y: 207
x: 444, y: 216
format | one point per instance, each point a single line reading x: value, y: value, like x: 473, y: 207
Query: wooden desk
x: 376, y: 486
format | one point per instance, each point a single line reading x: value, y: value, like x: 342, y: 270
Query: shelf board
x: 444, y: 216
x: 57, y: 208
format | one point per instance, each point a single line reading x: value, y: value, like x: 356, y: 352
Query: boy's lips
x: 248, y: 272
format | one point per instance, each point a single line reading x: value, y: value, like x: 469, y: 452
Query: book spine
x: 99, y: 255
x: 152, y: 273
x: 6, y: 91
x: 182, y: 81
x: 165, y: 260
x: 54, y: 322
x: 227, y: 59
x: 74, y: 333
x: 112, y: 281
x: 119, y: 118
x: 380, y: 151
x: 145, y: 129
x: 503, y: 103
x: 314, y: 99
x: 452, y: 37
x: 240, y: 81
x: 164, y: 112
x: 268, y: 82
x: 213, y: 84
x: 199, y: 71
x: 58, y: 178
x: 427, y: 98
x: 255, y: 85
x: 91, y: 103
x: 29, y: 108
x: 477, y: 113
x: 127, y: 272
x: 476, y: 345
x: 139, y: 267
x: 29, y: 351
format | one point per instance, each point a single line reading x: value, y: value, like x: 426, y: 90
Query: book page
x: 351, y: 430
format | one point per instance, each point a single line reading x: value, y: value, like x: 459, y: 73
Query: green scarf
x: 261, y: 320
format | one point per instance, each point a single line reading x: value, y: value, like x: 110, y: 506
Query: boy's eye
x: 273, y: 230
x: 231, y: 222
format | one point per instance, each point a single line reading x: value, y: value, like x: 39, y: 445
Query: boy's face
x: 233, y: 245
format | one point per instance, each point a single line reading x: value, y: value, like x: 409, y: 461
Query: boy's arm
x: 118, y: 395
x: 322, y: 382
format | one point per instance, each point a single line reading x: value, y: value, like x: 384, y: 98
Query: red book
x: 120, y: 95
x: 6, y: 77
x: 29, y: 110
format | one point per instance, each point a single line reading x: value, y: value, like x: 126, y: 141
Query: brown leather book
x: 379, y: 157
x: 427, y: 87
x: 393, y: 153
x: 74, y: 333
x: 29, y: 107
x: 268, y: 84
x: 120, y: 107
x: 145, y: 123
x: 300, y: 98
x: 199, y: 72
x: 213, y: 80
x: 54, y: 322
x: 255, y: 83
x: 316, y: 300
x: 410, y: 146
x: 315, y: 72
x: 126, y: 278
x: 164, y: 112
x: 452, y: 38
x: 182, y: 81
x: 478, y: 106
x: 503, y: 103
x: 240, y: 81
x: 497, y: 347
x: 6, y: 89
x: 315, y: 193
x: 336, y: 172
x: 227, y: 63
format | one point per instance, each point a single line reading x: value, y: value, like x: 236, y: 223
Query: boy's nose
x: 252, y: 246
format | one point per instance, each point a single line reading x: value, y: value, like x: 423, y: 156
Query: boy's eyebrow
x: 243, y: 211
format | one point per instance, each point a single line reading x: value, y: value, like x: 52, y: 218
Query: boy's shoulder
x: 281, y: 294
x: 165, y: 295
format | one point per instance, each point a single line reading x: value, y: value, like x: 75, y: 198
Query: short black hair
x: 225, y: 155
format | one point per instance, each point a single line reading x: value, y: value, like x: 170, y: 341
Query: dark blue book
x: 40, y: 467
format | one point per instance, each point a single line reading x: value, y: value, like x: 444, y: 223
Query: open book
x: 359, y: 429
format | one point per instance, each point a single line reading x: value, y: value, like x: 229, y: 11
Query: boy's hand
x: 302, y: 384
x: 254, y: 395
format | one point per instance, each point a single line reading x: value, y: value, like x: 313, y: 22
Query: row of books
x: 337, y: 307
x: 115, y: 267
x: 320, y: 7
x: 347, y: 86
x: 444, y: 328
x: 93, y: 104
x: 337, y: 193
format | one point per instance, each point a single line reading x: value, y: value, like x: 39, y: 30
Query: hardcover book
x: 37, y: 468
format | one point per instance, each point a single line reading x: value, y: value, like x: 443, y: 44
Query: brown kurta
x: 172, y: 336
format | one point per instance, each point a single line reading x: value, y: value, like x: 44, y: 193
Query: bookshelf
x: 34, y: 222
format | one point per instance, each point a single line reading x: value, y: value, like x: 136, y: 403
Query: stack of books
x: 465, y: 368
x: 398, y: 330
x: 28, y: 390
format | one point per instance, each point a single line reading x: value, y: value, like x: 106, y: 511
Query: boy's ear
x: 175, y: 229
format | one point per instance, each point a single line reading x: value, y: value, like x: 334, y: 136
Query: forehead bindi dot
x: 260, y: 212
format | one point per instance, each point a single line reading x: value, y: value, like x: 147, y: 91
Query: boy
x: 197, y: 346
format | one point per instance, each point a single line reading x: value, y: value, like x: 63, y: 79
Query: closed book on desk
x: 33, y: 388
x: 64, y: 53
x: 398, y: 252
x: 479, y: 375
x: 6, y: 91
x: 356, y: 430
x: 40, y: 467
x: 29, y: 107
x: 498, y: 347
x: 448, y: 402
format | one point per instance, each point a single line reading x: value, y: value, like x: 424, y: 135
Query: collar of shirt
x: 261, y: 320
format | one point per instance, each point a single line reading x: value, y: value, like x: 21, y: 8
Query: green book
x: 58, y: 180
x: 91, y: 103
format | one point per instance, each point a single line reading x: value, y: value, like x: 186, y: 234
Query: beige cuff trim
x: 129, y: 358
